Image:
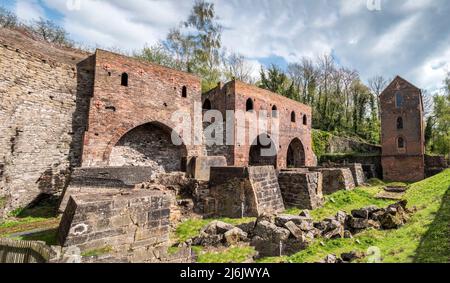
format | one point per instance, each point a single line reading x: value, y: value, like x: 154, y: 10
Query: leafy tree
x: 438, y: 126
x: 275, y: 80
x: 196, y: 43
x: 157, y: 54
x: 429, y: 131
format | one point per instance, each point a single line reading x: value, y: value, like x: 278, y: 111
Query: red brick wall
x: 153, y: 93
x: 397, y: 164
x: 234, y: 96
x: 403, y: 168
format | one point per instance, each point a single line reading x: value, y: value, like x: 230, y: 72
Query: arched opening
x: 124, y: 80
x: 274, y: 111
x: 207, y: 105
x: 249, y: 105
x: 296, y: 154
x: 305, y: 120
x: 263, y: 152
x: 149, y: 145
x: 293, y: 117
x: 401, y: 144
x: 399, y: 123
x: 184, y: 92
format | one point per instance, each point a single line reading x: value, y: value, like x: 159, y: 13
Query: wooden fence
x: 13, y: 251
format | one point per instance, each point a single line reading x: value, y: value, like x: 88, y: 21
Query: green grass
x: 424, y: 239
x: 375, y: 182
x: 98, y: 252
x: 397, y: 184
x: 191, y: 228
x: 346, y: 201
x: 231, y: 255
x: 43, y: 215
x: 48, y: 236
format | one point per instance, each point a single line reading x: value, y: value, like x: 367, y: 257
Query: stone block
x: 301, y: 189
x: 91, y: 222
x: 246, y: 191
x: 336, y: 179
x: 200, y: 166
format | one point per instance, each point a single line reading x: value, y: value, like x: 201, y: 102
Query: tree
x: 236, y: 67
x: 51, y: 32
x: 157, y: 54
x: 377, y: 84
x: 275, y: 80
x: 304, y: 75
x: 196, y: 43
x: 8, y: 19
x: 438, y: 127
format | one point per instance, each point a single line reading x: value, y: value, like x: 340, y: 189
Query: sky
x: 410, y: 38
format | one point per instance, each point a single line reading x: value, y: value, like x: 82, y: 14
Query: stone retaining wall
x: 244, y: 191
x: 336, y: 179
x: 301, y: 190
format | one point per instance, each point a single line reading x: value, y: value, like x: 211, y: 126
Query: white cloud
x: 392, y: 40
x: 29, y: 10
x: 433, y: 71
x: 408, y: 37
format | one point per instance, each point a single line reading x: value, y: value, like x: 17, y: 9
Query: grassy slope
x: 346, y: 201
x: 425, y: 238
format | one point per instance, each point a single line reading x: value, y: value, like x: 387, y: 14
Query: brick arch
x: 255, y: 157
x: 127, y: 128
x: 296, y: 154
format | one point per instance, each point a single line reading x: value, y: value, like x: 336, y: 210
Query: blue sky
x: 410, y: 38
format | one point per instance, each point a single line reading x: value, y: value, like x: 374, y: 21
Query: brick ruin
x: 96, y: 129
x: 403, y: 132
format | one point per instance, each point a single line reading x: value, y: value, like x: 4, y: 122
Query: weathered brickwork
x: 235, y: 95
x: 149, y: 146
x: 336, y: 179
x: 43, y: 112
x: 131, y: 225
x: 359, y: 176
x: 244, y: 191
x: 301, y: 189
x: 403, y: 135
x: 151, y: 95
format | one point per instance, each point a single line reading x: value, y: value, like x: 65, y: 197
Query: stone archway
x: 296, y: 154
x: 263, y: 152
x: 148, y: 145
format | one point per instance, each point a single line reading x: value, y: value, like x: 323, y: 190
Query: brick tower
x: 403, y: 135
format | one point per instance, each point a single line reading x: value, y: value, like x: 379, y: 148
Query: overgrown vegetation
x: 321, y: 139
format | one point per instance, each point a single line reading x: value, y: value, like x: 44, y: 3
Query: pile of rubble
x: 288, y: 234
